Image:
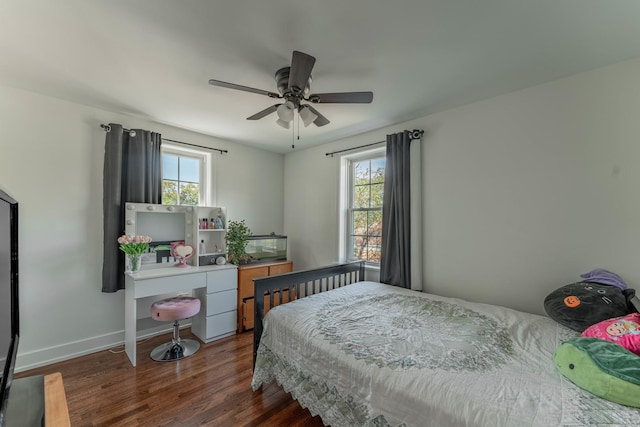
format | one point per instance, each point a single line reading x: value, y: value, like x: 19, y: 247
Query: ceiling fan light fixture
x: 306, y: 115
x: 285, y: 111
x: 283, y: 123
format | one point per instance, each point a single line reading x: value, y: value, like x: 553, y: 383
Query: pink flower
x: 132, y: 244
x: 141, y: 239
x: 125, y: 239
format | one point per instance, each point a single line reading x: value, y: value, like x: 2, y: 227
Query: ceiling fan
x: 293, y: 85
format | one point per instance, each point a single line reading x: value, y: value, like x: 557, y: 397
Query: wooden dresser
x: 246, y: 274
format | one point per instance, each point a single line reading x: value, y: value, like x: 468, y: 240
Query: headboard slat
x: 311, y: 281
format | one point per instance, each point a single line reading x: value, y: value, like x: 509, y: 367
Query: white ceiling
x: 153, y: 58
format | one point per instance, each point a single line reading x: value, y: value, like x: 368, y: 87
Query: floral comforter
x: 375, y: 355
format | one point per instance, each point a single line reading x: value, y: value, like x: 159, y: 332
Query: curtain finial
x: 416, y: 134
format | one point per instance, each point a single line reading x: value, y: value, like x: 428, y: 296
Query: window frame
x: 206, y: 195
x: 347, y: 210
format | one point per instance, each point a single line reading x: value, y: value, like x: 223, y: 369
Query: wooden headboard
x: 290, y: 286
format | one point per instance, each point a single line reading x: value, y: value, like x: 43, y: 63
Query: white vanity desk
x: 215, y: 285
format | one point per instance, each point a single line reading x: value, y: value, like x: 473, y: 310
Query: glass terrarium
x: 268, y: 247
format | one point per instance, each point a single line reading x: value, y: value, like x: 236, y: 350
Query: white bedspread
x: 372, y: 354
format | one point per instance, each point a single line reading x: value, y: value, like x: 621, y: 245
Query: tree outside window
x: 365, y: 210
x: 180, y: 179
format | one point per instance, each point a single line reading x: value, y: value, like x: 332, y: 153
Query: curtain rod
x: 413, y: 134
x: 354, y: 148
x: 132, y: 132
x: 194, y: 145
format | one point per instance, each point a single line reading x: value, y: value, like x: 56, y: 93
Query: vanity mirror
x: 168, y: 226
x: 199, y: 227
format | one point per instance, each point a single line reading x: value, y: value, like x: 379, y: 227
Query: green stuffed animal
x: 603, y: 368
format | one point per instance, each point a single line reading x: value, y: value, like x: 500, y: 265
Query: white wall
x: 521, y: 193
x: 51, y: 159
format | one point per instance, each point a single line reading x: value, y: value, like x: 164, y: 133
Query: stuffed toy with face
x: 602, y: 368
x: 582, y: 304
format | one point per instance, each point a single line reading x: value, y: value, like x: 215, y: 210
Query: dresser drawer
x: 281, y: 268
x: 220, y: 302
x: 221, y: 324
x: 222, y: 280
x: 246, y: 276
x: 247, y: 306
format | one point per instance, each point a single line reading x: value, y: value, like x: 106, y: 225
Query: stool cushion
x: 175, y: 308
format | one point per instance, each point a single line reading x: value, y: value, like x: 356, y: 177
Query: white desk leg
x: 130, y: 325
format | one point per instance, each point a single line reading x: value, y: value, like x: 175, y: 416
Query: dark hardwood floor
x: 210, y: 388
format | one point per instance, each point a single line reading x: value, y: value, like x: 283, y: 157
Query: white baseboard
x: 47, y: 356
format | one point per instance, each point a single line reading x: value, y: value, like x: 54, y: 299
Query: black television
x: 9, y: 318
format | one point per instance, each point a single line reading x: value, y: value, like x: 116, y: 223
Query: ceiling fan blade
x: 321, y: 120
x: 244, y: 88
x: 265, y: 112
x: 301, y: 66
x: 342, y: 97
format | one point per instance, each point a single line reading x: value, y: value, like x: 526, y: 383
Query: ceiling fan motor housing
x: 282, y: 82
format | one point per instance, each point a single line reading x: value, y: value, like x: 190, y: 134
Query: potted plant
x: 237, y: 238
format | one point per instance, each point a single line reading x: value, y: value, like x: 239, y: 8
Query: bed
x: 365, y: 353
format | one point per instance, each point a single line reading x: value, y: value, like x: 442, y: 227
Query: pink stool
x: 174, y: 309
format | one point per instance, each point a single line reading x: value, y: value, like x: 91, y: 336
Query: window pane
x: 359, y: 248
x: 361, y: 172
x: 361, y: 196
x: 169, y: 193
x: 377, y: 170
x: 352, y: 245
x: 189, y: 193
x: 189, y: 169
x: 375, y: 223
x: 377, y: 192
x: 359, y: 225
x: 375, y: 242
x: 170, y: 167
x: 374, y: 249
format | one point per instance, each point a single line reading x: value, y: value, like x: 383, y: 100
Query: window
x: 184, y: 176
x: 364, y: 207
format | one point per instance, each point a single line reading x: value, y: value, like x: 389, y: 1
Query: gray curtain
x: 395, y: 261
x: 132, y: 173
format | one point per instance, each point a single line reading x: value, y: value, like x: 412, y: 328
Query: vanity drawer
x: 221, y: 324
x: 219, y: 302
x: 169, y: 284
x: 222, y: 280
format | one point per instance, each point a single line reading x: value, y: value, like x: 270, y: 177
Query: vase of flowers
x: 133, y: 247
